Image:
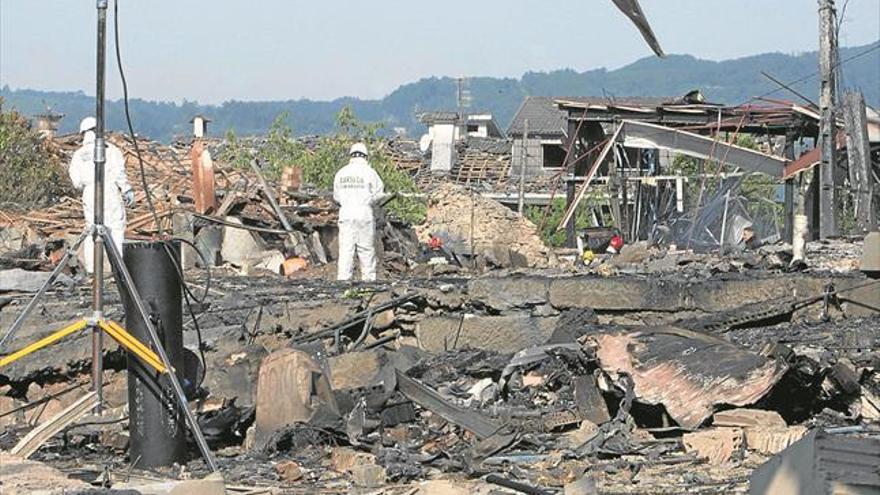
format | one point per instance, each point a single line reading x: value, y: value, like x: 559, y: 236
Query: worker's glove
x: 380, y: 200
x: 128, y: 198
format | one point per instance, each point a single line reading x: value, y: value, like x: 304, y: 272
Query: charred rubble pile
x: 285, y: 227
x: 646, y: 257
x: 498, y: 384
x: 250, y: 224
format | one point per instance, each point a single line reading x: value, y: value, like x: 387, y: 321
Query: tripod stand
x: 102, y: 241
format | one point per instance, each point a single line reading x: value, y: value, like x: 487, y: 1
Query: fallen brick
x: 717, y: 445
x: 291, y: 388
x: 745, y: 417
x: 576, y: 438
x: 354, y: 370
x: 8, y: 404
x: 368, y: 475
x: 583, y: 486
x: 117, y: 440
x: 343, y: 459
x: 772, y: 441
x: 845, y: 378
x: 289, y: 471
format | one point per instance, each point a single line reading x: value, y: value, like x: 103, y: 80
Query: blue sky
x: 216, y: 50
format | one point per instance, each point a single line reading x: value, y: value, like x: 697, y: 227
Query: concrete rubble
x: 471, y: 225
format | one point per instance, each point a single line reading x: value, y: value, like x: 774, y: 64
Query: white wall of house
x: 482, y: 130
x: 442, y: 147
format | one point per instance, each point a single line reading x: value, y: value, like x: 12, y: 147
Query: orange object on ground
x: 293, y: 265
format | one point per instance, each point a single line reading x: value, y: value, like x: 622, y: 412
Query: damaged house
x: 543, y: 151
x: 465, y: 149
x: 624, y: 145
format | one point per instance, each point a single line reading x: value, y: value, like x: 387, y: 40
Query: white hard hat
x: 87, y: 124
x: 358, y: 148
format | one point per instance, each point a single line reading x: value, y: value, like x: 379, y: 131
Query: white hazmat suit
x: 116, y: 186
x: 356, y: 188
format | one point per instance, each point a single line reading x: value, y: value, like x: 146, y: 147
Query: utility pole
x: 462, y: 102
x: 462, y: 94
x: 827, y: 123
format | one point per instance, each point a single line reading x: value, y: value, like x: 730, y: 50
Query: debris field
x: 487, y: 362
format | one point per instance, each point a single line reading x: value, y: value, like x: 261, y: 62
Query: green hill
x: 730, y: 81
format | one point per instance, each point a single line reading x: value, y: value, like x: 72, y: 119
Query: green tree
x: 235, y: 152
x: 31, y: 174
x: 281, y: 149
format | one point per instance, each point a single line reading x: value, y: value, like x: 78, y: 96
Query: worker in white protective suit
x: 117, y: 191
x: 357, y: 188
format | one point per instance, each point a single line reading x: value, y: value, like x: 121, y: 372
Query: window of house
x: 554, y: 155
x: 471, y: 128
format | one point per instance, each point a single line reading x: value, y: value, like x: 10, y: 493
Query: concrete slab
x: 507, y: 334
x: 505, y: 293
x: 619, y: 293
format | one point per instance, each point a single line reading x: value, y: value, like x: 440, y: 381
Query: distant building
x: 545, y: 149
x: 483, y: 126
x: 453, y: 141
x: 200, y: 126
x: 47, y: 123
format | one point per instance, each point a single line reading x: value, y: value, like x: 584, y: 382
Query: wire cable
x: 137, y: 148
x: 814, y: 74
x: 187, y: 293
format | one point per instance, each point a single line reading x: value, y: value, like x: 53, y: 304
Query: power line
x: 816, y: 73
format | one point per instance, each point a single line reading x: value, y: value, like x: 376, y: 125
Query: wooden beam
x: 569, y: 214
x: 39, y: 435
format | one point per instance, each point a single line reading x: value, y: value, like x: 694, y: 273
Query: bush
x: 551, y: 218
x: 31, y: 174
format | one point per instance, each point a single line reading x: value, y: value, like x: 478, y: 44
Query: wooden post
x: 573, y: 128
x: 624, y: 194
x: 827, y: 124
x: 614, y: 188
x: 859, y: 157
x: 789, y: 193
x: 522, y: 169
x: 570, y: 236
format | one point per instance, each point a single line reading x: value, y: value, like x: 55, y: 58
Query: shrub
x: 31, y: 174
